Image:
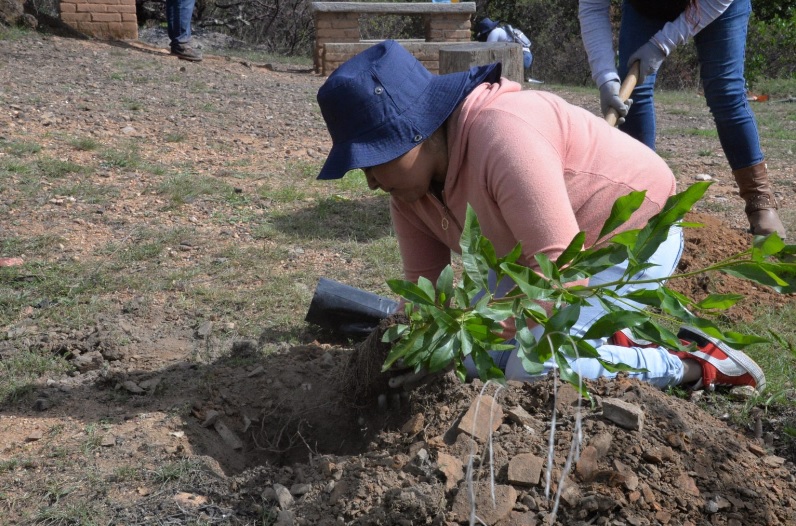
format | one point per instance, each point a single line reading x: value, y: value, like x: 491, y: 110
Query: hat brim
x: 390, y: 141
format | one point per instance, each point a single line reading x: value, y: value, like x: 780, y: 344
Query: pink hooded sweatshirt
x: 536, y: 170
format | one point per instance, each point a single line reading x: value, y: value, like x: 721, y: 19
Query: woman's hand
x: 609, y: 98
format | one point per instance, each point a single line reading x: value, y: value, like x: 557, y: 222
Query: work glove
x: 649, y: 57
x: 609, y: 98
x: 405, y: 380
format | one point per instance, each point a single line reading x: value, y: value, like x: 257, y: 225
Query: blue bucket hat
x: 483, y: 28
x: 383, y: 102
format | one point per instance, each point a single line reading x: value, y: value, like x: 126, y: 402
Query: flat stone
x: 34, y: 436
x: 300, y: 489
x: 483, y: 417
x: 464, y: 448
x: 521, y: 416
x: 283, y: 496
x: 414, y: 425
x: 211, y: 417
x: 132, y: 387
x: 525, y: 470
x: 229, y: 437
x: 773, y: 460
x: 451, y: 468
x: 629, y: 478
x: 687, y: 484
x: 519, y: 518
x: 587, y: 464
x: 623, y: 414
x: 488, y: 511
x: 189, y: 500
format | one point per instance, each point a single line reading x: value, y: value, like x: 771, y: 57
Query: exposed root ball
x: 362, y: 377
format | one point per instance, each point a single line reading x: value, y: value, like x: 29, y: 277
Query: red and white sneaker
x: 721, y: 364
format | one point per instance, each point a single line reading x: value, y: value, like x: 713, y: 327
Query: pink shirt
x: 536, y: 170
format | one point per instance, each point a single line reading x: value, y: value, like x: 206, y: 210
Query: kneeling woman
x: 536, y: 170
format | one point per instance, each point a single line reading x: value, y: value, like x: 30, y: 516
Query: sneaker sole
x: 739, y: 357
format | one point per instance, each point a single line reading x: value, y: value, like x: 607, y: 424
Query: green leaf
x: 445, y: 285
x: 394, y: 333
x: 529, y: 282
x: 443, y: 354
x: 621, y: 211
x: 613, y: 322
x: 410, y: 291
x: 592, y: 261
x: 404, y: 347
x: 512, y: 256
x: 563, y: 320
x: 570, y: 376
x: 485, y: 365
x: 719, y: 301
x: 779, y: 276
x: 574, y: 248
x: 620, y: 367
x: 427, y: 287
x: 764, y: 247
x: 474, y: 263
x: 548, y: 269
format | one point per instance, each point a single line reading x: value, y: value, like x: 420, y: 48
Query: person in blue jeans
x: 650, y: 30
x: 178, y: 20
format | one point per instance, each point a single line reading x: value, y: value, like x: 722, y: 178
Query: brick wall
x: 107, y: 19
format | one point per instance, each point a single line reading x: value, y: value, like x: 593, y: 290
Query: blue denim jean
x: 178, y: 20
x: 720, y: 48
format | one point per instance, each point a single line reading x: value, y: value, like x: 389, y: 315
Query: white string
x: 574, y: 449
x: 469, y: 477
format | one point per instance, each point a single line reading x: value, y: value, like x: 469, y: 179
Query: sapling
x: 451, y: 320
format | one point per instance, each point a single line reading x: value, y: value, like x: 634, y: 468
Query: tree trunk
x: 461, y: 57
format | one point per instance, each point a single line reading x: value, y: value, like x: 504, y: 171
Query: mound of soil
x: 634, y: 456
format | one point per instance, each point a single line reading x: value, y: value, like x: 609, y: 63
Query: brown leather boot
x: 761, y: 206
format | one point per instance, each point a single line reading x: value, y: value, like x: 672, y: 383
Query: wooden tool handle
x: 625, y: 90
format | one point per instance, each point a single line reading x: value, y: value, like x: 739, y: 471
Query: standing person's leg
x: 635, y: 31
x: 178, y: 20
x: 721, y: 48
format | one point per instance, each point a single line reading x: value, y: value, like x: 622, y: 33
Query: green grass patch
x: 185, y: 188
x: 85, y: 144
x: 13, y: 33
x: 21, y: 368
x: 20, y: 148
x: 56, y: 168
x: 127, y: 155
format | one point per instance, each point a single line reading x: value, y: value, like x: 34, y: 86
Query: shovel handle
x: 628, y: 85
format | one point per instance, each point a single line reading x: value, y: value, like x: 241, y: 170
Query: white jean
x: 663, y: 368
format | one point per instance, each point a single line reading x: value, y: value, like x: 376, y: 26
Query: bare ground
x: 145, y: 433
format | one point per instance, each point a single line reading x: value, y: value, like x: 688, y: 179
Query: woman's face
x: 409, y: 177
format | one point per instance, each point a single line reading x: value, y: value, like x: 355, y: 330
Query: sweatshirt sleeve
x: 596, y: 32
x: 689, y: 23
x: 597, y: 35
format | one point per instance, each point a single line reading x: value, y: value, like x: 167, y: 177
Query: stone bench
x: 338, y: 36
